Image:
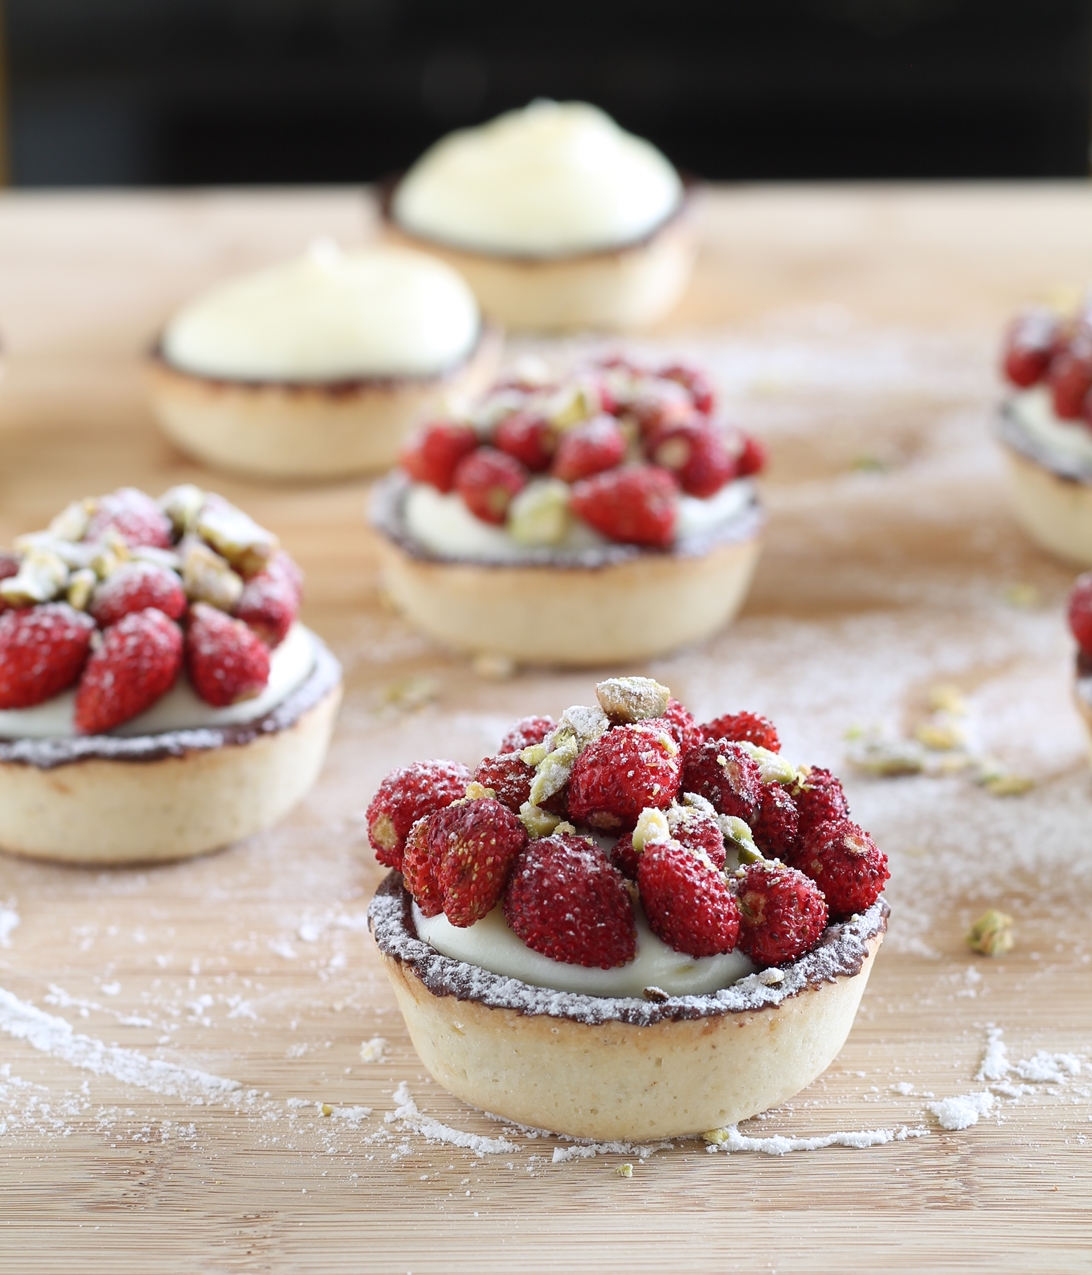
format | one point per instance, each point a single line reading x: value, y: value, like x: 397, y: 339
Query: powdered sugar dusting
x: 9, y: 920
x: 409, y: 1117
x: 730, y: 1139
x: 963, y: 1111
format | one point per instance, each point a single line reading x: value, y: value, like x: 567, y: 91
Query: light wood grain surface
x: 853, y: 328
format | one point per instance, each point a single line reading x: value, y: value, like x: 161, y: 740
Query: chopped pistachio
x: 941, y: 737
x: 716, y: 1136
x: 1001, y: 782
x: 158, y: 557
x: 236, y: 536
x: 579, y: 726
x: 42, y: 576
x: 737, y: 837
x: 947, y: 699
x: 773, y: 768
x: 71, y: 523
x: 624, y: 1171
x: 110, y: 552
x: 632, y: 699
x: 887, y: 757
x: 772, y: 976
x: 552, y: 773
x: 538, y: 822
x: 476, y: 791
x: 182, y: 504
x: 540, y: 515
x: 652, y: 825
x: 81, y: 584
x: 565, y: 829
x: 327, y: 1110
x: 533, y: 754
x: 992, y: 933
x: 571, y: 405
x: 207, y: 577
x: 1021, y: 595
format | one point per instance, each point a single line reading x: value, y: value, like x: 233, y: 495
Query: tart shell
x: 119, y: 800
x: 288, y: 430
x: 607, y: 1069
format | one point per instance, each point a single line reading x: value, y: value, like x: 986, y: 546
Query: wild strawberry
x: 751, y: 458
x: 137, y: 664
x: 1070, y: 375
x: 270, y: 600
x: 1080, y: 612
x: 635, y: 504
x: 751, y: 727
x: 659, y: 405
x: 9, y: 566
x: 699, y: 832
x: 529, y: 438
x: 407, y: 794
x: 776, y: 828
x: 487, y: 480
x: 509, y: 776
x: 819, y: 799
x: 845, y: 863
x: 525, y: 732
x: 589, y: 448
x: 1029, y: 344
x: 782, y: 913
x: 42, y: 652
x: 472, y: 846
x: 688, y: 904
x: 726, y: 775
x: 625, y: 857
x: 134, y: 586
x: 696, y: 453
x: 418, y: 869
x: 566, y: 901
x: 623, y: 772
x: 695, y: 381
x: 226, y: 662
x: 681, y: 724
x: 431, y: 455
x: 136, y: 518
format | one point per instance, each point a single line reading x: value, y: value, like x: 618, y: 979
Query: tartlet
x: 1045, y: 429
x: 321, y: 367
x: 558, y: 219
x: 603, y: 517
x: 511, y: 940
x: 1080, y: 625
x: 158, y: 697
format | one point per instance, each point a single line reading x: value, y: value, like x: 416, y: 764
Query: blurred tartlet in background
x: 558, y: 218
x: 1045, y: 428
x: 320, y: 367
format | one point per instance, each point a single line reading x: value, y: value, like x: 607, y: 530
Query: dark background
x: 243, y: 91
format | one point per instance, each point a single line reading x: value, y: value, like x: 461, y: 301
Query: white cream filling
x: 445, y: 527
x: 180, y: 709
x: 491, y: 945
x: 1067, y: 440
x: 329, y: 315
x: 551, y: 179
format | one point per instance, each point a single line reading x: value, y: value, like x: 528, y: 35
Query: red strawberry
x: 1029, y: 344
x: 819, y: 799
x: 624, y: 857
x: 694, y: 380
x: 726, y: 775
x: 43, y: 650
x: 1070, y: 375
x: 782, y: 914
x: 744, y: 726
x: 697, y: 454
x: 659, y: 405
x: 636, y: 504
x: 844, y: 862
x: 776, y: 829
x: 270, y: 600
x: 566, y: 901
x: 589, y: 448
x: 525, y: 732
x: 432, y: 455
x: 688, y: 904
x: 1080, y: 612
x: 487, y: 480
x: 622, y: 773
x: 529, y: 438
x: 136, y: 518
x: 225, y: 660
x: 9, y: 566
x: 751, y: 458
x: 699, y: 832
x: 134, y: 586
x: 472, y: 846
x: 137, y: 664
x: 418, y: 870
x: 406, y: 795
x: 681, y: 723
x: 509, y: 776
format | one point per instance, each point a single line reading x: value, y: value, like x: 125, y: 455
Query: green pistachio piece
x: 538, y: 822
x: 632, y: 699
x: 182, y: 505
x: 652, y: 825
x: 992, y: 934
x: 207, y: 577
x: 81, y: 584
x: 42, y: 576
x: 236, y: 536
x: 71, y: 523
x: 539, y: 515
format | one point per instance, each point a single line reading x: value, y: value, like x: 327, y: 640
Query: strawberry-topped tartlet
x: 599, y: 517
x: 158, y: 696
x: 1045, y: 426
x: 626, y: 924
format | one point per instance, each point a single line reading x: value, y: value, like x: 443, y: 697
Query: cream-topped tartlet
x: 158, y: 696
x: 1045, y: 427
x: 626, y: 924
x: 558, y: 218
x: 601, y: 517
x: 320, y: 367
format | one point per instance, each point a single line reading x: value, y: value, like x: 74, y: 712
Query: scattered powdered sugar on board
x: 963, y: 1111
x: 409, y: 1117
x: 54, y: 1036
x: 9, y: 919
x: 372, y: 1051
x: 587, y: 1150
x: 730, y: 1139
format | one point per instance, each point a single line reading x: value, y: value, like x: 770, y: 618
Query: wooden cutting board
x: 855, y: 329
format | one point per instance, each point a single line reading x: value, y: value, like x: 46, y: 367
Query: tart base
x: 113, y: 810
x: 617, y: 290
x: 608, y: 1078
x: 280, y: 430
x: 573, y: 616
